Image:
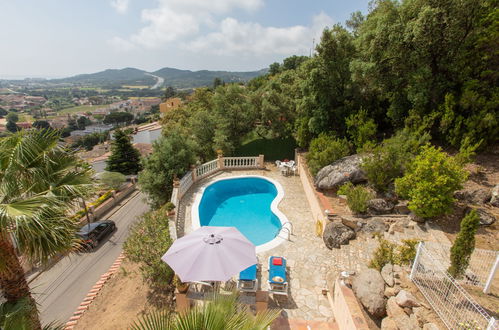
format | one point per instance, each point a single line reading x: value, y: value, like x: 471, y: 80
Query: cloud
x: 121, y: 6
x: 122, y: 44
x: 234, y: 37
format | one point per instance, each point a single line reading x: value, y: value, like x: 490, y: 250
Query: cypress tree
x: 124, y: 157
x: 464, y: 245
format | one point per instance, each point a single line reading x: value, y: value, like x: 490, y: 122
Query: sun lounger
x: 247, y: 280
x: 278, y: 282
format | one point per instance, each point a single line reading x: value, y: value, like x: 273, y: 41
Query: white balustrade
x: 240, y: 162
x: 184, y: 185
x: 206, y: 169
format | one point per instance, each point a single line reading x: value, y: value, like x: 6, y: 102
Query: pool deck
x: 310, y: 263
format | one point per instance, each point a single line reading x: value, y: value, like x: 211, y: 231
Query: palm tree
x: 39, y: 181
x: 222, y: 313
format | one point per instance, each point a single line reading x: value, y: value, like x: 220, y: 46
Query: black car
x: 93, y: 233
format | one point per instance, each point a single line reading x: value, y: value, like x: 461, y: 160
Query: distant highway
x: 61, y: 289
x: 159, y: 81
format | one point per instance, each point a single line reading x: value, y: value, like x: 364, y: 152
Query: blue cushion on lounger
x: 249, y: 274
x: 276, y: 272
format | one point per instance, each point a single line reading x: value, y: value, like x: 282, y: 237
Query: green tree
x: 13, y: 117
x: 117, y: 118
x: 324, y: 150
x: 3, y: 112
x: 430, y: 182
x: 169, y: 92
x: 274, y: 68
x: 41, y: 124
x: 361, y: 129
x: 39, y: 182
x: 124, y: 157
x: 172, y: 156
x: 82, y: 122
x: 113, y: 180
x: 146, y: 244
x: 464, y: 245
x: 220, y: 313
x: 12, y: 127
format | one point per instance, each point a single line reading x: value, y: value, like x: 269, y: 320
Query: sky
x: 60, y: 38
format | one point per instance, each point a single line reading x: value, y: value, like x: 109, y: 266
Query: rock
x: 352, y: 222
x: 388, y: 324
x: 379, y: 206
x: 336, y: 234
x: 406, y: 299
x: 430, y: 326
x: 421, y: 314
x: 402, y: 207
x: 375, y: 225
x: 387, y: 274
x: 486, y: 218
x: 477, y: 196
x: 494, y: 200
x: 341, y: 171
x: 369, y: 287
x: 413, y: 322
x: 391, y: 291
x: 414, y: 217
x: 396, y: 313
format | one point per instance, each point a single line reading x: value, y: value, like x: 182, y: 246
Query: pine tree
x: 464, y: 245
x: 124, y: 157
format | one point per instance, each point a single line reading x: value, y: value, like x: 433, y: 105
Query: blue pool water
x: 243, y: 203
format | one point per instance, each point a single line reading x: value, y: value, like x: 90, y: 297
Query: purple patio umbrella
x: 210, y: 254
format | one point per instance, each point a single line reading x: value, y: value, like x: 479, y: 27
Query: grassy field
x: 273, y: 149
x: 80, y: 108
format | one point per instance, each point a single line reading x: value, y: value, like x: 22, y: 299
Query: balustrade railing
x: 240, y: 162
x: 206, y: 169
x: 185, y: 183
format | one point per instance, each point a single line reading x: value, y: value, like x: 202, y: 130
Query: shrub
x: 169, y: 206
x: 464, y: 244
x: 390, y: 159
x: 148, y: 241
x: 406, y: 252
x: 430, y: 182
x: 344, y: 189
x: 361, y: 128
x: 102, y: 199
x: 113, y: 180
x: 391, y: 253
x: 357, y: 197
x: 324, y: 150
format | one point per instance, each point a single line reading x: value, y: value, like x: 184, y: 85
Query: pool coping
x: 285, y: 223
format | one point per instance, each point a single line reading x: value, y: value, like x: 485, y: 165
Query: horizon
x: 59, y: 39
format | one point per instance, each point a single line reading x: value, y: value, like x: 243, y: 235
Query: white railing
x: 240, y: 162
x: 446, y: 296
x: 206, y: 169
x: 481, y: 269
x: 184, y: 184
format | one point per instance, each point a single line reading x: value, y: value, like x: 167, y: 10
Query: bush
x: 324, y: 150
x: 113, y: 180
x: 362, y: 129
x: 102, y: 199
x: 390, y: 159
x: 391, y: 253
x: 357, y: 197
x: 430, y: 182
x: 149, y: 239
x: 464, y: 244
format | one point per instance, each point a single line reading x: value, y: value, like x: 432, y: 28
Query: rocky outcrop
x: 476, y: 196
x: 344, y: 170
x: 336, y: 234
x: 379, y: 206
x: 406, y: 299
x: 416, y: 218
x: 397, y: 314
x: 486, y: 218
x: 387, y: 274
x: 369, y: 288
x: 388, y: 324
x: 494, y: 200
x: 374, y: 225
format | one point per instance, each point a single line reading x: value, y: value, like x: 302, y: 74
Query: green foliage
x: 13, y: 117
x: 91, y: 140
x: 272, y: 149
x: 389, y: 160
x: 467, y: 151
x: 395, y: 254
x: 16, y: 315
x: 100, y: 200
x: 357, y: 197
x: 430, y: 182
x: 124, y: 157
x: 223, y: 312
x: 117, y: 118
x: 464, y: 245
x: 148, y: 241
x: 113, y: 180
x: 169, y: 206
x: 172, y: 156
x: 324, y: 150
x: 12, y: 127
x: 41, y: 124
x: 361, y: 129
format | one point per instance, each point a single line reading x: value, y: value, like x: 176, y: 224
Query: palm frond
x: 159, y: 320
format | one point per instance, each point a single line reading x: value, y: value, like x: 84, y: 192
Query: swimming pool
x: 248, y: 203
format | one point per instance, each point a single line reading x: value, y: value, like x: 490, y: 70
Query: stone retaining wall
x: 346, y: 308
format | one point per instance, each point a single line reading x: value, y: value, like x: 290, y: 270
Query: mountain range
x: 172, y: 77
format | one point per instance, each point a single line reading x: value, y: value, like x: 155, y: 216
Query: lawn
x: 80, y: 108
x: 273, y: 149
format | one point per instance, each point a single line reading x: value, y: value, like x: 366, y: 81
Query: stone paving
x: 309, y: 261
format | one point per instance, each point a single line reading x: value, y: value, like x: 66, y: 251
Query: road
x: 61, y: 289
x: 159, y: 81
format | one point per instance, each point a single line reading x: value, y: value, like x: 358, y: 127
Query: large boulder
x: 486, y: 218
x: 406, y: 299
x: 369, y: 288
x: 374, y: 225
x: 397, y: 313
x: 474, y: 196
x: 379, y: 206
x: 388, y: 324
x: 494, y: 200
x: 387, y: 274
x: 341, y: 171
x: 336, y: 234
x: 402, y: 207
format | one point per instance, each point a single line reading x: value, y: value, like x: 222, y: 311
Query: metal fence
x: 451, y: 302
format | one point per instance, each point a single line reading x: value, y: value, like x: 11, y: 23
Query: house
x: 147, y: 133
x: 92, y: 129
x: 170, y: 104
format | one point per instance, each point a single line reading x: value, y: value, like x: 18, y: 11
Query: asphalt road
x: 60, y: 289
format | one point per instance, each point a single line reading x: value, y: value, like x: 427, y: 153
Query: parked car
x: 91, y: 234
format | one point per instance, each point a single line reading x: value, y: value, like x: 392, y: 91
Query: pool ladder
x: 290, y: 232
